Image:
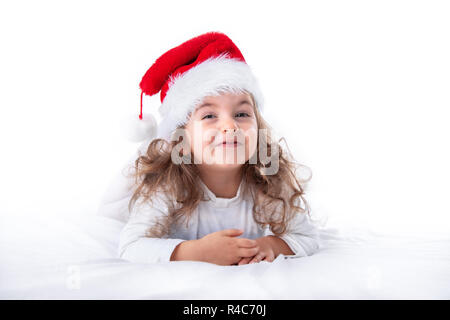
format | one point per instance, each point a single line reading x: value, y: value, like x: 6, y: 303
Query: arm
x: 135, y: 246
x: 279, y: 246
x: 269, y: 247
x: 186, y: 250
x: 302, y: 238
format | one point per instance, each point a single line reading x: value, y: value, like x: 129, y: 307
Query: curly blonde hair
x: 275, y: 197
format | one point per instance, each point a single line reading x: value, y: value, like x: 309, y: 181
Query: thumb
x: 232, y: 232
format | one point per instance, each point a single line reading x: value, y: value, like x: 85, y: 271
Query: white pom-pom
x: 138, y: 130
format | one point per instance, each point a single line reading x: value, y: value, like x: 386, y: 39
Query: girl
x: 211, y: 185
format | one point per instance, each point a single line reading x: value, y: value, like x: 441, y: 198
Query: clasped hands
x: 224, y: 248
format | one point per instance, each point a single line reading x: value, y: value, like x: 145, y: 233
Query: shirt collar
x: 221, y: 202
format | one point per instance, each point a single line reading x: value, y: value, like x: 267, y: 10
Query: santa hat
x: 206, y: 65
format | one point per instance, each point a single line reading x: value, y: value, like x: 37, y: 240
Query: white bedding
x: 75, y: 258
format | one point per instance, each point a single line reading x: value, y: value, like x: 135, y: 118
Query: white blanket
x: 75, y: 258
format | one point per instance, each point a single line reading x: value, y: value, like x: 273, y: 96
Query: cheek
x: 250, y: 125
x: 201, y: 140
x: 251, y: 134
x: 251, y: 141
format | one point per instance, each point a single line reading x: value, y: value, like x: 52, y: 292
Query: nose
x: 229, y: 125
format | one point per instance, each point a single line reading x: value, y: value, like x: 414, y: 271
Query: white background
x: 359, y: 89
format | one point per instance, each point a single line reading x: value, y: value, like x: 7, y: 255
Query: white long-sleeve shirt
x: 210, y: 216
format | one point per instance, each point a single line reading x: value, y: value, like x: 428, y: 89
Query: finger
x: 231, y: 232
x: 244, y: 261
x: 246, y: 243
x: 269, y: 258
x: 258, y: 258
x: 248, y: 252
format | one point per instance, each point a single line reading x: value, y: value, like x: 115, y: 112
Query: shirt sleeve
x: 135, y: 246
x: 302, y: 236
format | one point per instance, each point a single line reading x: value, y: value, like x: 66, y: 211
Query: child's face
x: 228, y: 118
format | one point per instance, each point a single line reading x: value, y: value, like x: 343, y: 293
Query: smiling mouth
x: 229, y: 144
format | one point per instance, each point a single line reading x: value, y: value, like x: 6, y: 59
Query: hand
x: 266, y: 252
x: 223, y: 248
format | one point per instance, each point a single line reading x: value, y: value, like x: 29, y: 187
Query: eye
x: 208, y: 115
x: 245, y: 114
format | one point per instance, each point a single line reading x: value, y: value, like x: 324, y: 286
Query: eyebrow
x: 209, y: 104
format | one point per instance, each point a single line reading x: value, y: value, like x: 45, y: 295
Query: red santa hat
x: 207, y: 65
